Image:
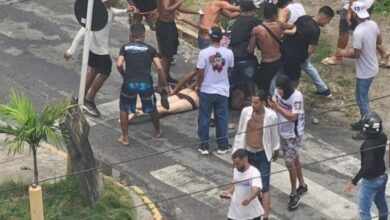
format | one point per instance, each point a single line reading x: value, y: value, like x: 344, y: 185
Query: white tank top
x: 296, y: 10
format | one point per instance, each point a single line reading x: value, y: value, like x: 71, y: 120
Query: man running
x: 258, y: 134
x: 166, y: 31
x: 288, y: 104
x: 298, y: 47
x: 289, y: 12
x: 266, y: 37
x: 137, y: 80
x: 99, y: 62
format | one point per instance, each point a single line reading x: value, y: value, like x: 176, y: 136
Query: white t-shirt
x: 364, y: 38
x: 296, y: 11
x: 98, y: 39
x: 243, y: 183
x: 215, y: 61
x: 295, y: 105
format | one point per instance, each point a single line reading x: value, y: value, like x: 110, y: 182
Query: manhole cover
x: 11, y: 2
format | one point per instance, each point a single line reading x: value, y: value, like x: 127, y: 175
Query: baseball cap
x: 215, y: 33
x: 247, y: 5
x: 360, y: 9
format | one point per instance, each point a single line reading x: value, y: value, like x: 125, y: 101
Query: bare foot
x: 122, y: 140
x: 158, y: 133
x: 131, y: 116
x: 385, y: 60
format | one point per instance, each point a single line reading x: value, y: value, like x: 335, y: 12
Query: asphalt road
x: 33, y: 37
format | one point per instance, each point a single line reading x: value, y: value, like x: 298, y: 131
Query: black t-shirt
x: 138, y: 57
x: 295, y: 46
x: 240, y: 35
x: 145, y: 5
x: 372, y: 154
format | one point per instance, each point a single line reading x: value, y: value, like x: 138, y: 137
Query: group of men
x: 272, y: 114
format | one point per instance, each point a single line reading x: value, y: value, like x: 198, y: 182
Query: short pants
x: 128, y: 97
x: 167, y: 38
x: 260, y: 161
x: 101, y: 63
x: 290, y: 148
x: 151, y: 18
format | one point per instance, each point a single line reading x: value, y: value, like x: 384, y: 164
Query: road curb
x: 137, y: 190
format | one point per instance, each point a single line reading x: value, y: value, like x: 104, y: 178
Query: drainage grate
x: 12, y: 2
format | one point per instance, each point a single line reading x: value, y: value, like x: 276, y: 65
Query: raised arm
x: 76, y: 41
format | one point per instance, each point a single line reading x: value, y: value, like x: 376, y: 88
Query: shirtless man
x: 210, y: 18
x: 144, y: 8
x: 256, y: 134
x: 266, y: 37
x: 166, y: 31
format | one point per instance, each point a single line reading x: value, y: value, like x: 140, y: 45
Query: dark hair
x: 326, y: 10
x: 270, y: 10
x: 284, y: 82
x: 282, y: 3
x: 240, y: 153
x: 137, y: 29
x: 263, y: 96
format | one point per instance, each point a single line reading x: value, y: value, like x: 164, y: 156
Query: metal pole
x: 84, y: 66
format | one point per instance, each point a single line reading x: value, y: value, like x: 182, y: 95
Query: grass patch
x: 382, y: 6
x: 62, y: 200
x: 323, y: 50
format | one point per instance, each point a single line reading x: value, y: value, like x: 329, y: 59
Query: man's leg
x: 205, y: 108
x: 314, y: 75
x: 380, y: 198
x: 95, y: 87
x: 298, y: 168
x: 293, y: 176
x: 221, y: 119
x: 91, y: 75
x: 361, y: 94
x: 124, y: 121
x: 126, y: 105
x: 154, y: 116
x: 265, y: 171
x: 148, y: 100
x: 366, y: 196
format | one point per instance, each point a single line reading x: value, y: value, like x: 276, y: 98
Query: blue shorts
x: 260, y: 161
x: 128, y: 97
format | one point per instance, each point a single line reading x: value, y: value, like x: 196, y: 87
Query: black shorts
x: 167, y: 38
x: 102, y: 63
x: 266, y: 73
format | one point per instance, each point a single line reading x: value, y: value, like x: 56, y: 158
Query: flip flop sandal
x: 164, y: 99
x: 329, y: 61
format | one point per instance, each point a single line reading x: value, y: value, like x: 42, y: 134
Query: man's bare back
x: 212, y: 11
x: 167, y: 9
x: 254, y: 131
x: 269, y: 47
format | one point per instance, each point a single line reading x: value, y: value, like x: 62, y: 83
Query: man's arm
x: 199, y: 79
x: 76, y: 41
x: 186, y: 10
x: 284, y: 15
x: 254, y: 192
x: 160, y: 70
x: 230, y: 14
x: 252, y: 42
x: 287, y: 114
x: 119, y: 64
x: 239, y: 139
x: 311, y: 48
x: 355, y: 54
x: 275, y: 138
x: 183, y: 80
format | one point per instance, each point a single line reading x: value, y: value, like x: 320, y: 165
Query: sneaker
x: 301, y: 190
x: 90, y: 108
x: 204, y: 150
x: 294, y: 201
x: 356, y: 126
x: 325, y: 93
x: 225, y: 150
x: 359, y: 136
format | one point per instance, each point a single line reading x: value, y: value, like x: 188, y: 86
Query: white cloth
x: 270, y: 133
x: 364, y: 38
x: 296, y: 11
x: 215, y: 62
x: 294, y: 104
x: 98, y: 39
x: 368, y: 3
x: 243, y: 183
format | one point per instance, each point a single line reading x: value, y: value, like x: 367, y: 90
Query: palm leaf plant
x: 23, y: 123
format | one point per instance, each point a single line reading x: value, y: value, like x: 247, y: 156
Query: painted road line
x: 187, y: 181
